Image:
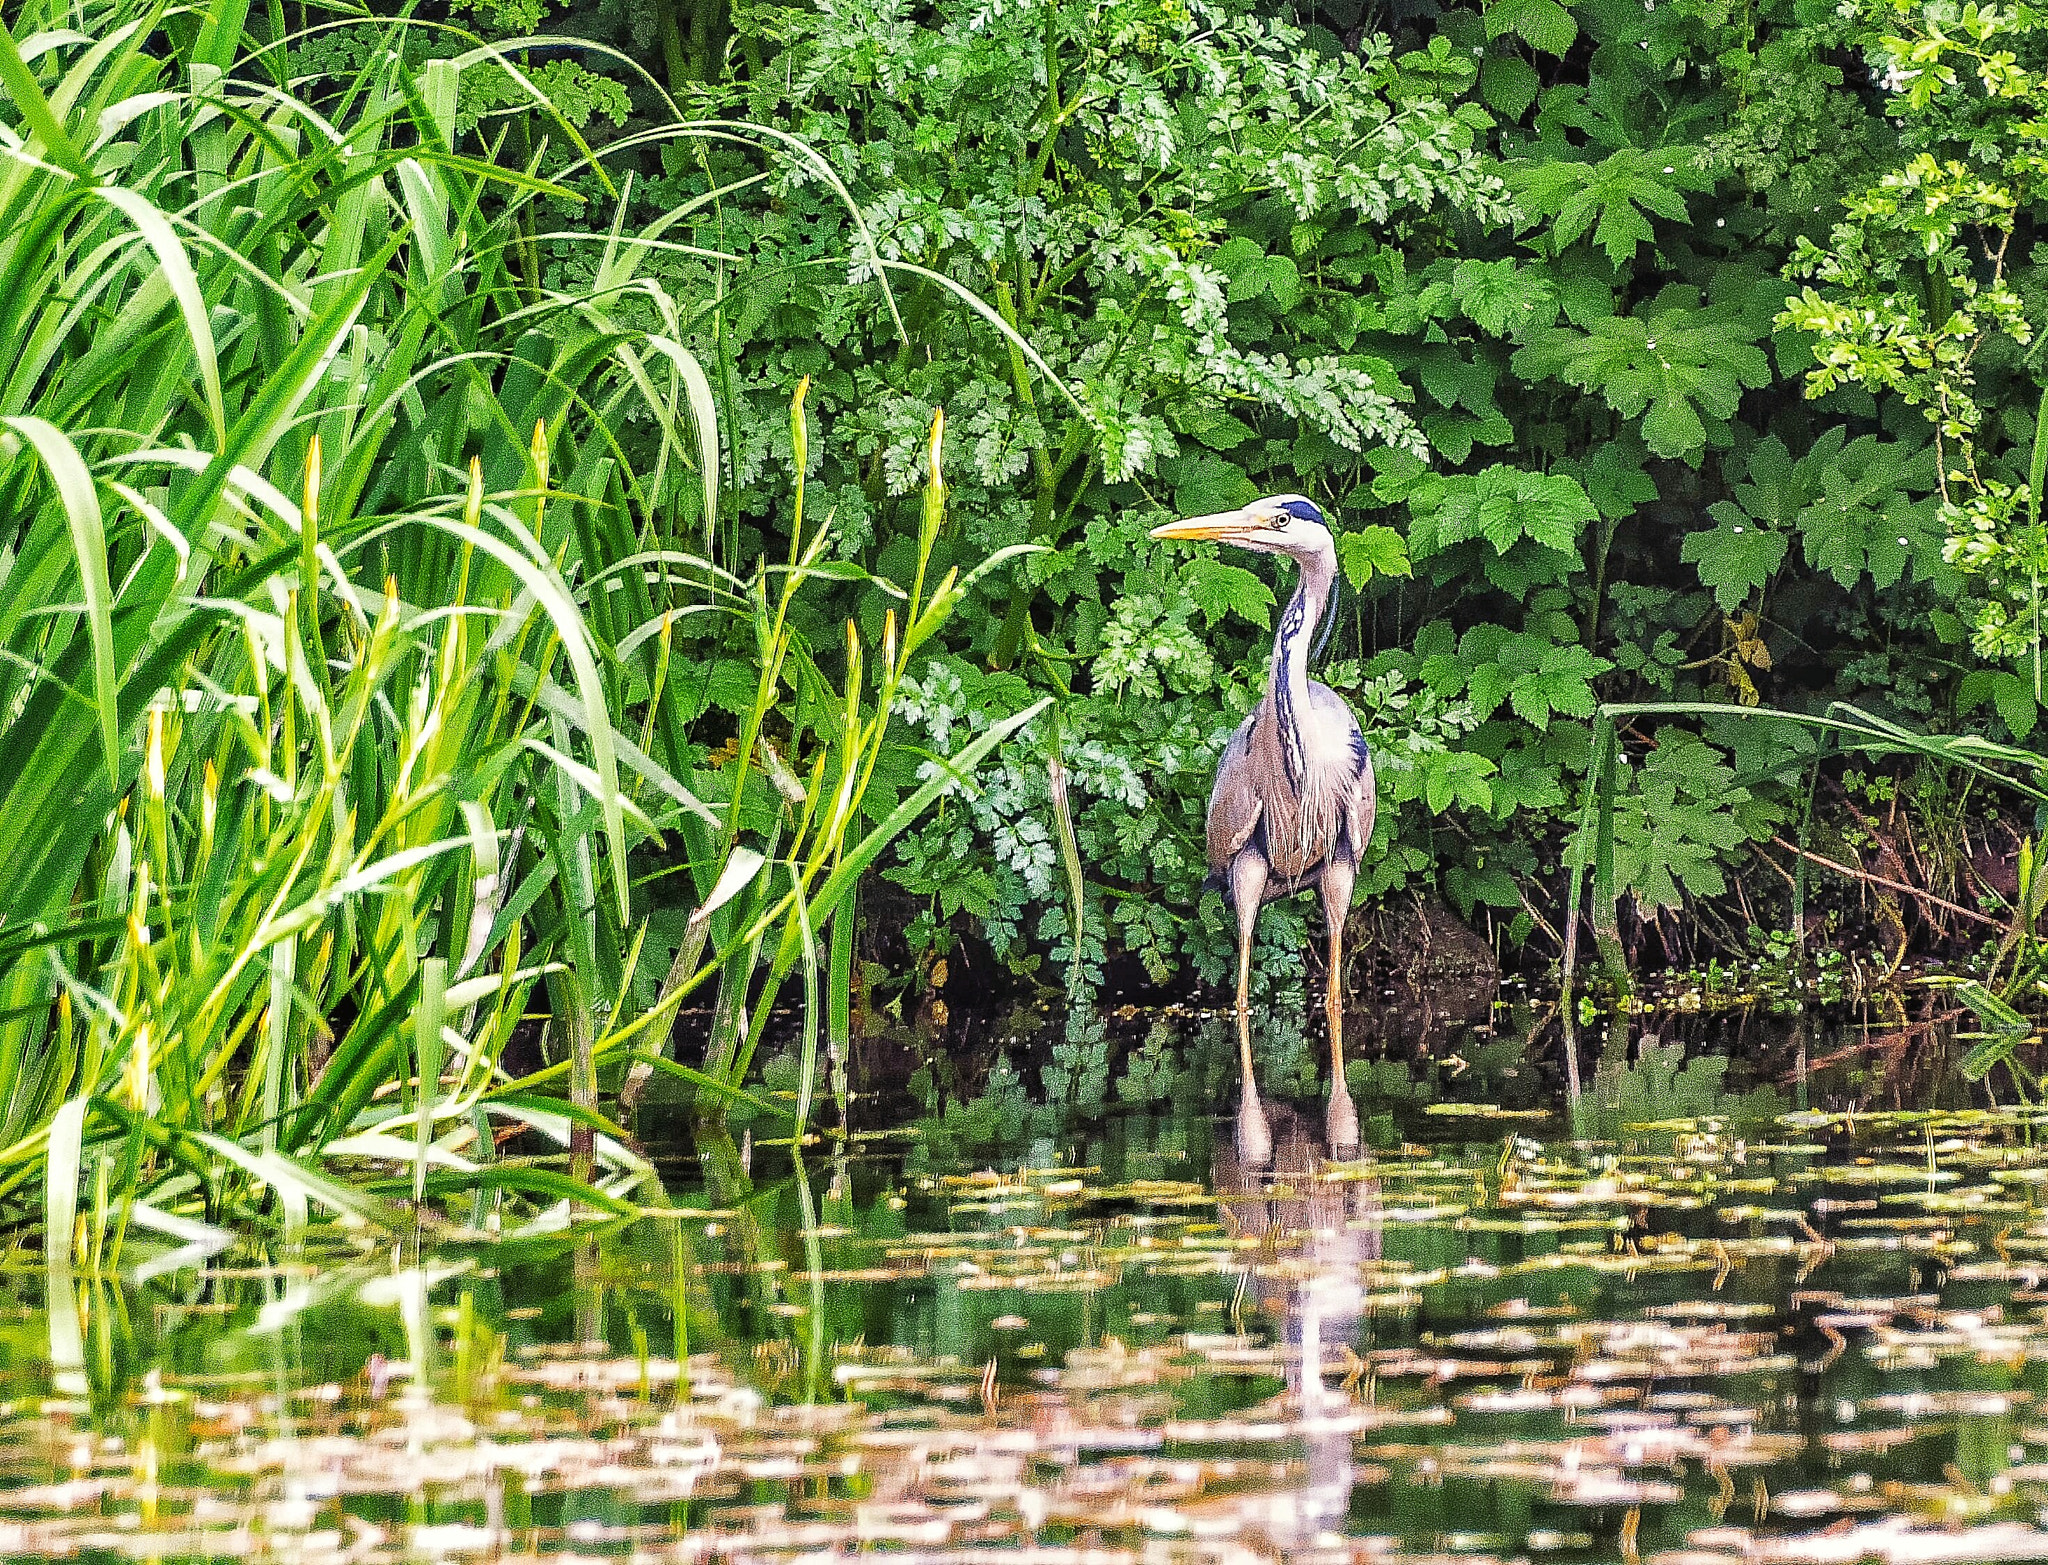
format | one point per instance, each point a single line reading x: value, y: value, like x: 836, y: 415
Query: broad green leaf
x: 1456, y: 777
x: 1615, y: 480
x: 2010, y: 694
x: 1735, y: 558
x: 1206, y: 483
x: 1673, y: 366
x: 1542, y: 24
x: 1509, y: 84
x: 1373, y: 551
x: 1504, y: 298
x: 1220, y: 589
x: 1503, y: 505
x: 1613, y: 199
x: 1861, y: 515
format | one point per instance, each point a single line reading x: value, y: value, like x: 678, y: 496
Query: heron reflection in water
x: 1293, y: 801
x: 1326, y: 1226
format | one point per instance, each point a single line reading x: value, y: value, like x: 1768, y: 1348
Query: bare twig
x: 1888, y: 884
x: 1783, y: 872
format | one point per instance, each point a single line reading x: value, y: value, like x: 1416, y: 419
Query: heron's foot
x: 1254, y: 1135
x: 1341, y: 1122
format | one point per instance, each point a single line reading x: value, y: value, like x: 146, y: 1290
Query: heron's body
x: 1294, y: 796
x: 1297, y: 828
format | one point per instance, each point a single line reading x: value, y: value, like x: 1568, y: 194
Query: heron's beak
x: 1221, y: 524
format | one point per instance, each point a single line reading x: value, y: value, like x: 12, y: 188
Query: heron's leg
x: 1247, y: 891
x: 1343, y: 1118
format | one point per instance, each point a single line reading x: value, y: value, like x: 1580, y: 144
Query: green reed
x: 338, y: 667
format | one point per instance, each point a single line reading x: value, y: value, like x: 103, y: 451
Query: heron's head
x: 1279, y: 524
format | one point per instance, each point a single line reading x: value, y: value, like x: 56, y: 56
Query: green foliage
x: 1679, y: 367
x: 1220, y: 589
x: 1922, y: 293
x: 346, y: 596
x: 1610, y: 201
x: 1663, y: 1088
x: 1506, y: 290
x: 1679, y: 812
x: 1502, y: 505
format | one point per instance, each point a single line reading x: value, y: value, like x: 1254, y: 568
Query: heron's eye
x: 1278, y: 521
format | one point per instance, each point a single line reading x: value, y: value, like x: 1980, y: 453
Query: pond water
x: 1749, y: 1332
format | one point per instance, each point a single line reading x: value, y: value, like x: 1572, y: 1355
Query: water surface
x: 1754, y: 1334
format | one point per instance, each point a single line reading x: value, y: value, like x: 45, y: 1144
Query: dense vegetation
x: 1644, y: 350
x: 513, y: 511
x: 338, y: 600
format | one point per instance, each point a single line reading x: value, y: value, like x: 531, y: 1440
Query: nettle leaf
x: 1455, y: 434
x: 1468, y: 885
x: 1464, y: 388
x: 1503, y: 505
x: 1735, y: 558
x: 1372, y: 551
x: 1561, y: 683
x: 1455, y: 777
x: 1541, y: 24
x: 1251, y: 273
x: 1667, y: 366
x: 1615, y: 479
x: 1509, y: 84
x: 1852, y: 502
x: 1203, y: 483
x: 1609, y: 199
x: 1583, y: 295
x: 1219, y: 589
x: 1397, y: 474
x: 1450, y: 378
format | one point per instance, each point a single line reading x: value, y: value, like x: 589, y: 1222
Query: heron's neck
x: 1289, y: 679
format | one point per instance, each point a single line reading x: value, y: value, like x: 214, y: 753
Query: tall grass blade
x: 427, y: 1022
x: 81, y: 502
x: 62, y: 1170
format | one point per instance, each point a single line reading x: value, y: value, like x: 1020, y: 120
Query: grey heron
x: 1293, y: 800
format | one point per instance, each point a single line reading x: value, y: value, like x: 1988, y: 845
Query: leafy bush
x: 1509, y: 292
x: 1642, y: 353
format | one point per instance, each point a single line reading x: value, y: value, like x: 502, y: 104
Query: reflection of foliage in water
x: 1152, y: 1070
x: 1662, y: 1086
x: 1290, y: 1061
x: 1386, y: 1081
x: 1078, y: 1072
x: 1002, y: 1115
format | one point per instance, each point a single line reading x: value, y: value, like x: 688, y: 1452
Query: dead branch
x: 1887, y: 883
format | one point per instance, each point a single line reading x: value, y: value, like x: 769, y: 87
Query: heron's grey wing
x: 1361, y: 801
x: 1234, y: 805
x: 1365, y: 801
